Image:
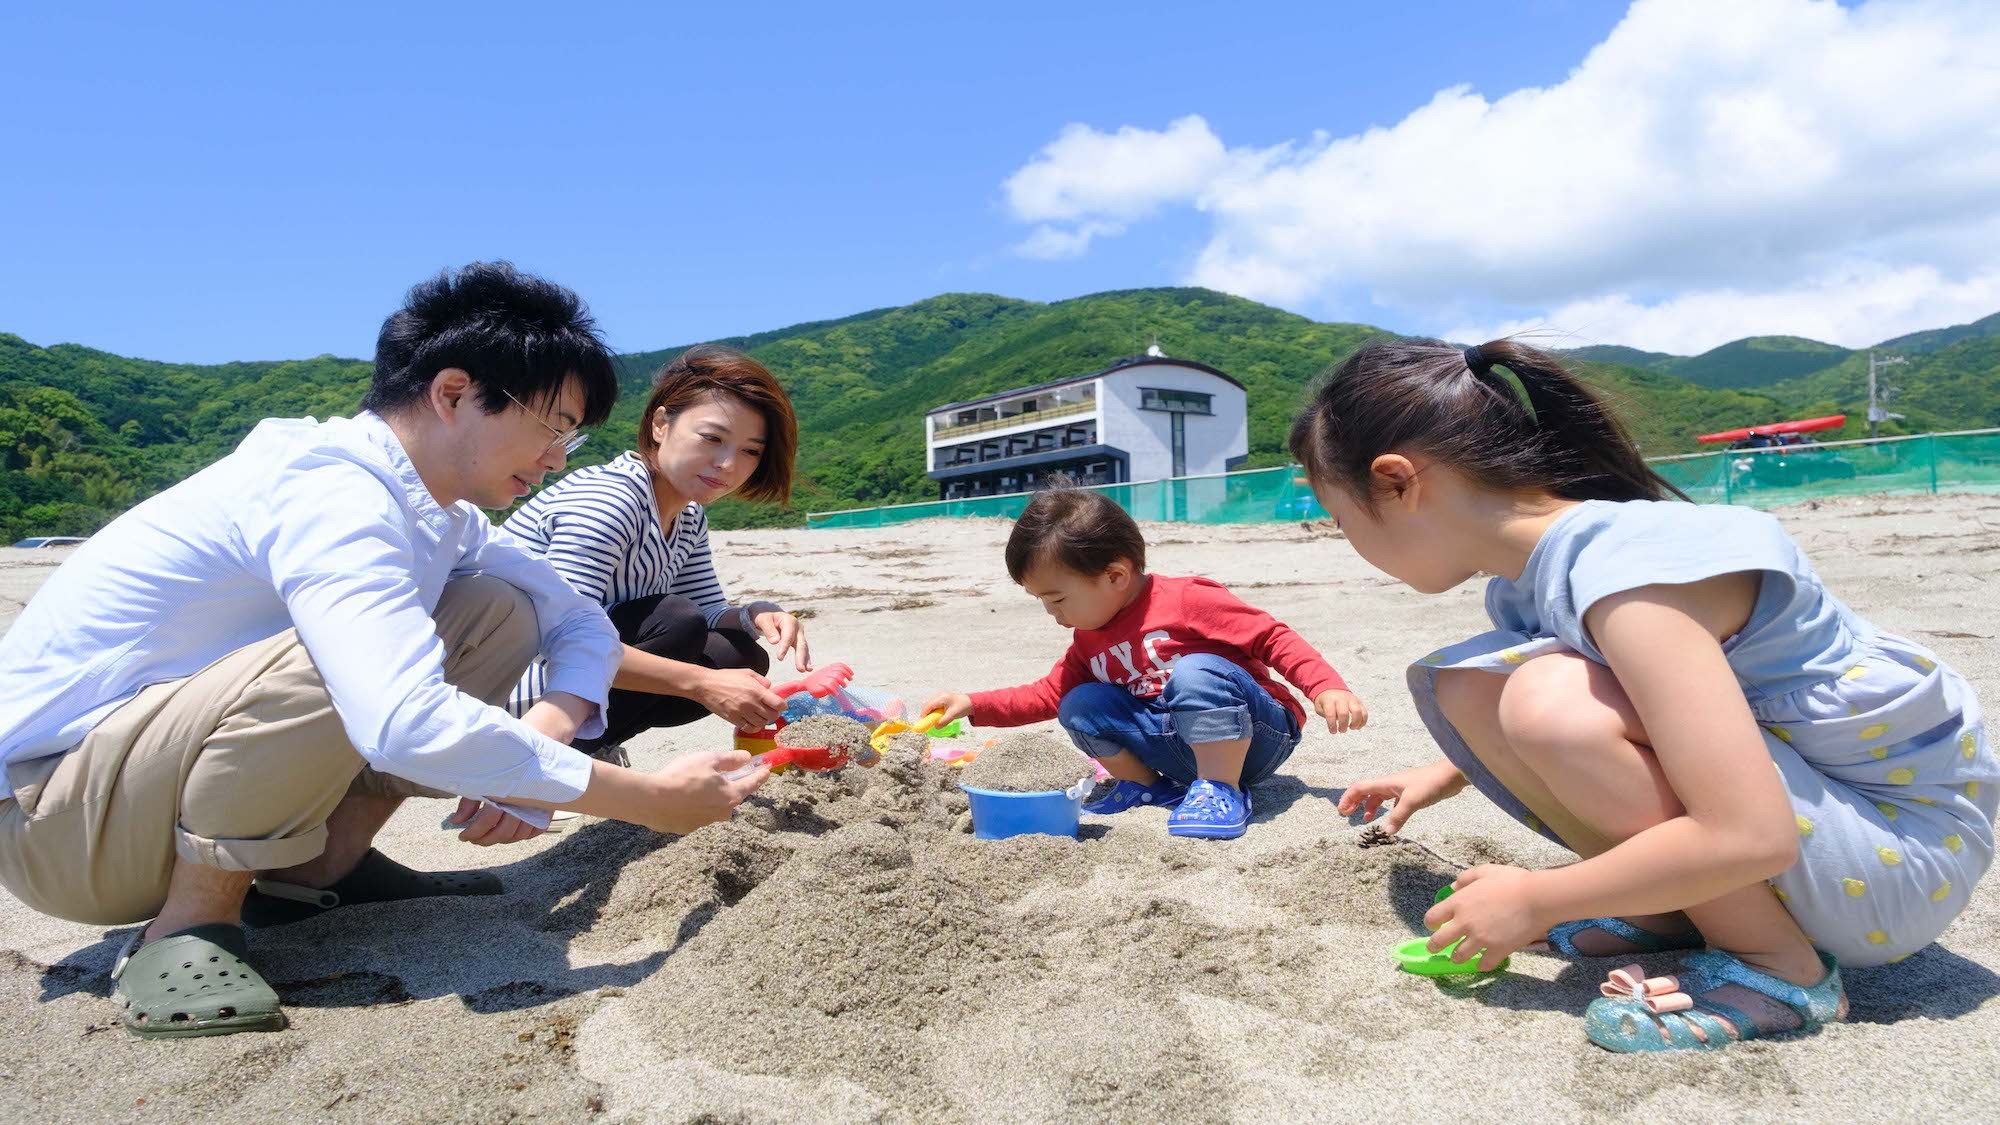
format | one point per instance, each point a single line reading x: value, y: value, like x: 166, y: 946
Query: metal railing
x: 1026, y: 417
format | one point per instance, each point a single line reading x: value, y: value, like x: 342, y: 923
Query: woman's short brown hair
x: 709, y: 371
x: 1076, y: 529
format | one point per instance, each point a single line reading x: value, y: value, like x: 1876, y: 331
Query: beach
x: 843, y: 951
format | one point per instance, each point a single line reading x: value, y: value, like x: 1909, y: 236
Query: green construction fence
x: 1967, y: 461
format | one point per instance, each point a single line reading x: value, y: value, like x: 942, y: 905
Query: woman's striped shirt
x: 600, y: 529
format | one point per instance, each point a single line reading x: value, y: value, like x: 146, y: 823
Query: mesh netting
x: 1764, y: 478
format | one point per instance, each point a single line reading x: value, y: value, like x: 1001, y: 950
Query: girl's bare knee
x: 1563, y: 703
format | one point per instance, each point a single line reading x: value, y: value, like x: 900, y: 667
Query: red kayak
x: 1804, y: 426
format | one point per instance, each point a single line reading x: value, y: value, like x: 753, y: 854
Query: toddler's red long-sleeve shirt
x: 1137, y: 648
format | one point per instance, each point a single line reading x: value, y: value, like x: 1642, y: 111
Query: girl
x: 1668, y: 691
x: 633, y: 534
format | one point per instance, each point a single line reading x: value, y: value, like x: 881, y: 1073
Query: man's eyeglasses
x: 569, y: 440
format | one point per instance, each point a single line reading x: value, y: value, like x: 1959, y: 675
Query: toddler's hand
x: 1410, y: 790
x: 1493, y: 909
x: 954, y: 704
x: 1342, y: 710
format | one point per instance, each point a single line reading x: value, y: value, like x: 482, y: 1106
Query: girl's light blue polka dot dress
x: 1883, y: 748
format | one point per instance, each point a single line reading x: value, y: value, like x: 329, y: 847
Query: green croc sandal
x: 1674, y: 1014
x: 377, y: 878
x: 193, y: 982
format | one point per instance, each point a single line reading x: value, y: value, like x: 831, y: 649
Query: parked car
x: 40, y: 541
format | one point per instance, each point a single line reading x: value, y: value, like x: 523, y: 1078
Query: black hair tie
x: 1476, y: 361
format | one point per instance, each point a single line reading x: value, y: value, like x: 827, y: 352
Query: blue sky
x: 219, y: 182
x: 262, y: 181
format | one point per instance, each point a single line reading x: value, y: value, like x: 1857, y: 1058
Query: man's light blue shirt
x: 324, y: 527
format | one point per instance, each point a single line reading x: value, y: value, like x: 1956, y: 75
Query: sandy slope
x: 839, y: 953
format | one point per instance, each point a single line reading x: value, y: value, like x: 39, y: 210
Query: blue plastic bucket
x: 997, y: 815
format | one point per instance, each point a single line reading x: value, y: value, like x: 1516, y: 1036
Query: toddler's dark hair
x: 1540, y: 430
x: 1075, y: 528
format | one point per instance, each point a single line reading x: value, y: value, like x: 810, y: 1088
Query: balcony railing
x: 1024, y: 418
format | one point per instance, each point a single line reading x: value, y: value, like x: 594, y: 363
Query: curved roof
x: 1125, y: 364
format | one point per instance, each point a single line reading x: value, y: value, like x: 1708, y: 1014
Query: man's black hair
x: 514, y: 333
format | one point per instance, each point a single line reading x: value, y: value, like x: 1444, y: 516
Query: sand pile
x: 901, y: 790
x: 666, y: 889
x: 1035, y: 762
x: 844, y: 957
x: 838, y: 733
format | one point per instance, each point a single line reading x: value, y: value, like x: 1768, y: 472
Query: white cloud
x: 1122, y: 176
x: 1854, y: 307
x: 1713, y: 168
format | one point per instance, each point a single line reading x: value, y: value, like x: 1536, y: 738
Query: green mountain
x: 1757, y: 361
x: 1956, y: 387
x: 1938, y: 338
x: 1747, y: 364
x: 1620, y: 354
x: 85, y: 434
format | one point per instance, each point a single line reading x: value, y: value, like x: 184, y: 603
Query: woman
x: 633, y: 534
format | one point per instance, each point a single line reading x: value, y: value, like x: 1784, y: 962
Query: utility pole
x: 1876, y: 413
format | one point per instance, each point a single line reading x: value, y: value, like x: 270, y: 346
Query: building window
x: 1179, y: 421
x: 1177, y: 402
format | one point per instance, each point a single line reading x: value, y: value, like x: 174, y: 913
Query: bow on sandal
x: 1641, y: 1013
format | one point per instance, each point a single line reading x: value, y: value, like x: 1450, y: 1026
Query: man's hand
x: 695, y: 789
x: 954, y: 704
x: 741, y: 696
x: 486, y: 825
x: 1410, y: 790
x: 1342, y: 710
x: 784, y: 633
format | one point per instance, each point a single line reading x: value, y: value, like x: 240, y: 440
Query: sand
x: 1029, y: 762
x: 844, y: 737
x: 842, y: 952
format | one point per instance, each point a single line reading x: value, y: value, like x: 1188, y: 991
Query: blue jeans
x: 1207, y: 699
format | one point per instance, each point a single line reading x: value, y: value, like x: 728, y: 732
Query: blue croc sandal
x: 1562, y: 939
x: 1211, y: 811
x: 1674, y: 1014
x: 1162, y: 794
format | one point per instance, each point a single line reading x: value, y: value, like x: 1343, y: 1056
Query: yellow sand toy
x: 926, y: 725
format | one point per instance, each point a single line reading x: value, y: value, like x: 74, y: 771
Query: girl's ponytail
x: 1503, y: 414
x: 1576, y: 425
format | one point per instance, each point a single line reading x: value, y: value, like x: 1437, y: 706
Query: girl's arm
x: 1662, y: 643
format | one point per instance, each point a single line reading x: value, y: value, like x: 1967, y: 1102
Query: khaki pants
x: 236, y: 767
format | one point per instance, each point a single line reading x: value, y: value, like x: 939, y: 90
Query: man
x: 241, y: 678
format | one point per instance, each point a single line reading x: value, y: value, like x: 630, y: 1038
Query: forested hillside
x: 85, y: 434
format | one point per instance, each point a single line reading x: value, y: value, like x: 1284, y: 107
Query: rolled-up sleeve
x: 336, y: 547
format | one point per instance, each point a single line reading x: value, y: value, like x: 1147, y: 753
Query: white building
x: 1143, y: 418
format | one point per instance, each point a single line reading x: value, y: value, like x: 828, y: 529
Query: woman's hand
x: 741, y: 696
x: 784, y: 633
x: 1410, y: 790
x: 1493, y: 909
x: 1342, y: 710
x: 954, y: 704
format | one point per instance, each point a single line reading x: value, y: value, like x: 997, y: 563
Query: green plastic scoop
x: 1412, y: 957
